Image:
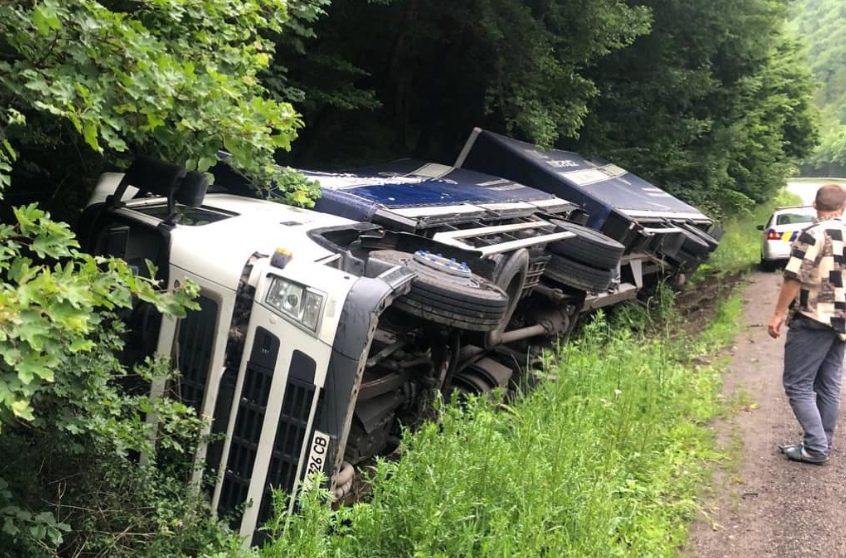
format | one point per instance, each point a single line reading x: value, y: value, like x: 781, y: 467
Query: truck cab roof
x: 215, y: 240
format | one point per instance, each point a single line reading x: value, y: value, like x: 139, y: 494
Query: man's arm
x: 799, y: 269
x: 789, y: 289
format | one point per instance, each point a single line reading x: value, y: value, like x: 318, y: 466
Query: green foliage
x: 173, y: 78
x: 605, y: 458
x: 390, y: 78
x: 713, y: 105
x: 49, y: 311
x: 821, y: 24
x: 72, y: 428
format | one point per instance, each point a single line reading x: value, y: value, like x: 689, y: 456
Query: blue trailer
x: 568, y: 262
x: 640, y: 215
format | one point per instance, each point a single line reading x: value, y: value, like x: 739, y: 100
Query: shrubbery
x: 87, y: 84
x: 71, y: 430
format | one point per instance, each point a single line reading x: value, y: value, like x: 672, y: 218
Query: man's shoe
x: 790, y: 447
x: 797, y: 452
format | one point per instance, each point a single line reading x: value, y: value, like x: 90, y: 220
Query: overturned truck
x: 320, y: 332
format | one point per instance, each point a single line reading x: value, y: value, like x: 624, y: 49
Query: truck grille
x: 291, y: 430
x: 196, y: 337
x: 245, y: 437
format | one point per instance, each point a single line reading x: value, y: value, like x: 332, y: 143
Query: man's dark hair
x: 830, y: 197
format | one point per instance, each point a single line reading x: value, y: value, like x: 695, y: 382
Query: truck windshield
x: 187, y: 215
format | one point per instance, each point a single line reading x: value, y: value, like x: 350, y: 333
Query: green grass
x: 740, y: 247
x: 605, y: 459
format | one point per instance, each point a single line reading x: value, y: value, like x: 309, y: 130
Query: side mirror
x: 150, y: 175
x: 760, y: 227
x: 192, y: 191
x: 170, y: 180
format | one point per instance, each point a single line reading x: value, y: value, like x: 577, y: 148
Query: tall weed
x: 603, y: 459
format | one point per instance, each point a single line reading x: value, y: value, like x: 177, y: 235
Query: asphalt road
x: 762, y: 505
x: 806, y: 188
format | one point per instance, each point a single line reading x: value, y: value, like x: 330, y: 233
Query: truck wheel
x: 712, y: 242
x: 447, y: 292
x: 687, y: 260
x: 694, y: 244
x: 588, y: 246
x: 578, y: 275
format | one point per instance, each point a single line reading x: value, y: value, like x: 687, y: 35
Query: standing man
x: 813, y: 291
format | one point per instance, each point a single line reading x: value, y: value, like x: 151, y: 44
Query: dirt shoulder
x: 762, y: 505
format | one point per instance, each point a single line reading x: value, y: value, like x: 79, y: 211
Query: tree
x: 821, y: 24
x: 83, y: 82
x: 407, y: 77
x: 707, y: 99
x: 713, y: 105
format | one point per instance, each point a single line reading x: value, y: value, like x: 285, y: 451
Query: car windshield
x: 794, y: 218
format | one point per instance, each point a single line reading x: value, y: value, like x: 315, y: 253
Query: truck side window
x: 196, y: 340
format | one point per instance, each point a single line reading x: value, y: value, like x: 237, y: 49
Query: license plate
x: 317, y: 456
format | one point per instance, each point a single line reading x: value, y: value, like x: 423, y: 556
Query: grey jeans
x: 813, y: 367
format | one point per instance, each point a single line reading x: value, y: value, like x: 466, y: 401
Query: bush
x: 70, y: 482
x: 81, y: 79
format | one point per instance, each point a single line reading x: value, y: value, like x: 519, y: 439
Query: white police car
x: 781, y: 229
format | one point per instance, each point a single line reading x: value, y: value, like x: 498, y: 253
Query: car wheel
x: 588, y: 246
x: 578, y: 275
x: 767, y: 265
x: 447, y: 292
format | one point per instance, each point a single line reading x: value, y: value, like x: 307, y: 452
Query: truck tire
x: 694, y: 244
x: 588, y: 246
x: 466, y: 302
x: 578, y: 275
x: 687, y: 261
x: 712, y: 242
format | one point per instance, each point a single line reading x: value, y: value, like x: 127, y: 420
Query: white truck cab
x: 311, y: 343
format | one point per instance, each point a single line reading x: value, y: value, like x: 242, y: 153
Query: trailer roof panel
x: 595, y: 184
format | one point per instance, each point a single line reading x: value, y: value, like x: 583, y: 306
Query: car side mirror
x: 760, y: 227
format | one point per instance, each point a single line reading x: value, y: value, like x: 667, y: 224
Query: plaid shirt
x: 816, y: 259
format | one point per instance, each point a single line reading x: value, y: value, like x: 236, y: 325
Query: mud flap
x: 367, y: 300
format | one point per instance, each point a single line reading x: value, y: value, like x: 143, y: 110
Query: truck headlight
x: 295, y: 301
